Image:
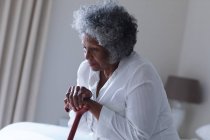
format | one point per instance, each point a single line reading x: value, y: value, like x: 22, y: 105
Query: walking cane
x: 79, y: 114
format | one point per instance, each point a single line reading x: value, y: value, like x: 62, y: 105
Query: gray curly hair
x: 111, y: 25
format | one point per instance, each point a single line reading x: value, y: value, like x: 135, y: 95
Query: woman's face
x: 95, y: 54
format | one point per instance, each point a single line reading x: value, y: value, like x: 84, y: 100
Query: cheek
x: 102, y: 60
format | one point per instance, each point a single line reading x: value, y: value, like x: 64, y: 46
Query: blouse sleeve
x: 83, y: 74
x: 142, y: 108
x: 82, y: 78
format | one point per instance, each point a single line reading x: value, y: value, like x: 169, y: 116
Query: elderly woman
x: 126, y: 98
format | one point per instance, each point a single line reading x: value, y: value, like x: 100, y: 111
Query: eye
x: 94, y: 49
x: 84, y: 49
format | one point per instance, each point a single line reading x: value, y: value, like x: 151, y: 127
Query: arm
x: 142, y: 108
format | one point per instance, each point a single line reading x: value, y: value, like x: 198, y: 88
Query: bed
x: 203, y: 132
x: 38, y: 131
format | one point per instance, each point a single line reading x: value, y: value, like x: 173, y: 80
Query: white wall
x: 195, y: 62
x: 161, y: 26
x: 62, y: 58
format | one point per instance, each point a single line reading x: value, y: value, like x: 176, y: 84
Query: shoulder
x: 142, y: 73
x: 136, y: 62
x: 140, y: 69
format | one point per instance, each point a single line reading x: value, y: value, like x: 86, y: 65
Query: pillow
x: 204, y: 132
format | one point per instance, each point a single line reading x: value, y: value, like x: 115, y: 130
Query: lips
x: 92, y: 63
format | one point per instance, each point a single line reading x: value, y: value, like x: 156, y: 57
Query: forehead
x: 87, y: 39
x: 90, y: 42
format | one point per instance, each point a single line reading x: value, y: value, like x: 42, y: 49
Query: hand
x: 66, y: 105
x: 76, y: 97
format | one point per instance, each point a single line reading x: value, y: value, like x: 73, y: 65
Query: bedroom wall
x: 195, y: 62
x: 161, y: 26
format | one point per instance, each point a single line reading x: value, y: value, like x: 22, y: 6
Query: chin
x: 95, y: 69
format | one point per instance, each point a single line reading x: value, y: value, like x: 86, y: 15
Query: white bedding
x: 38, y: 131
x: 204, y: 132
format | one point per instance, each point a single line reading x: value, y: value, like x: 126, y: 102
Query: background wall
x: 165, y: 37
x: 194, y: 62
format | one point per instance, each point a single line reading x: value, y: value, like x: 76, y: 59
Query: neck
x: 109, y: 70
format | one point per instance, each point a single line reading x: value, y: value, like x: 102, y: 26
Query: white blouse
x: 135, y: 106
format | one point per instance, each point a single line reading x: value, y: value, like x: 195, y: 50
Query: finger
x: 71, y: 93
x: 66, y: 107
x: 75, y: 97
x: 69, y: 90
x: 68, y: 93
x: 67, y: 97
x: 71, y: 100
x: 65, y: 100
x: 80, y: 99
x: 86, y: 94
x: 82, y: 110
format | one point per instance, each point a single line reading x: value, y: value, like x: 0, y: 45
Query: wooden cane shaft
x: 74, y: 126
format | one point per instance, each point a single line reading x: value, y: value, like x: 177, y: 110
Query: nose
x: 87, y: 54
